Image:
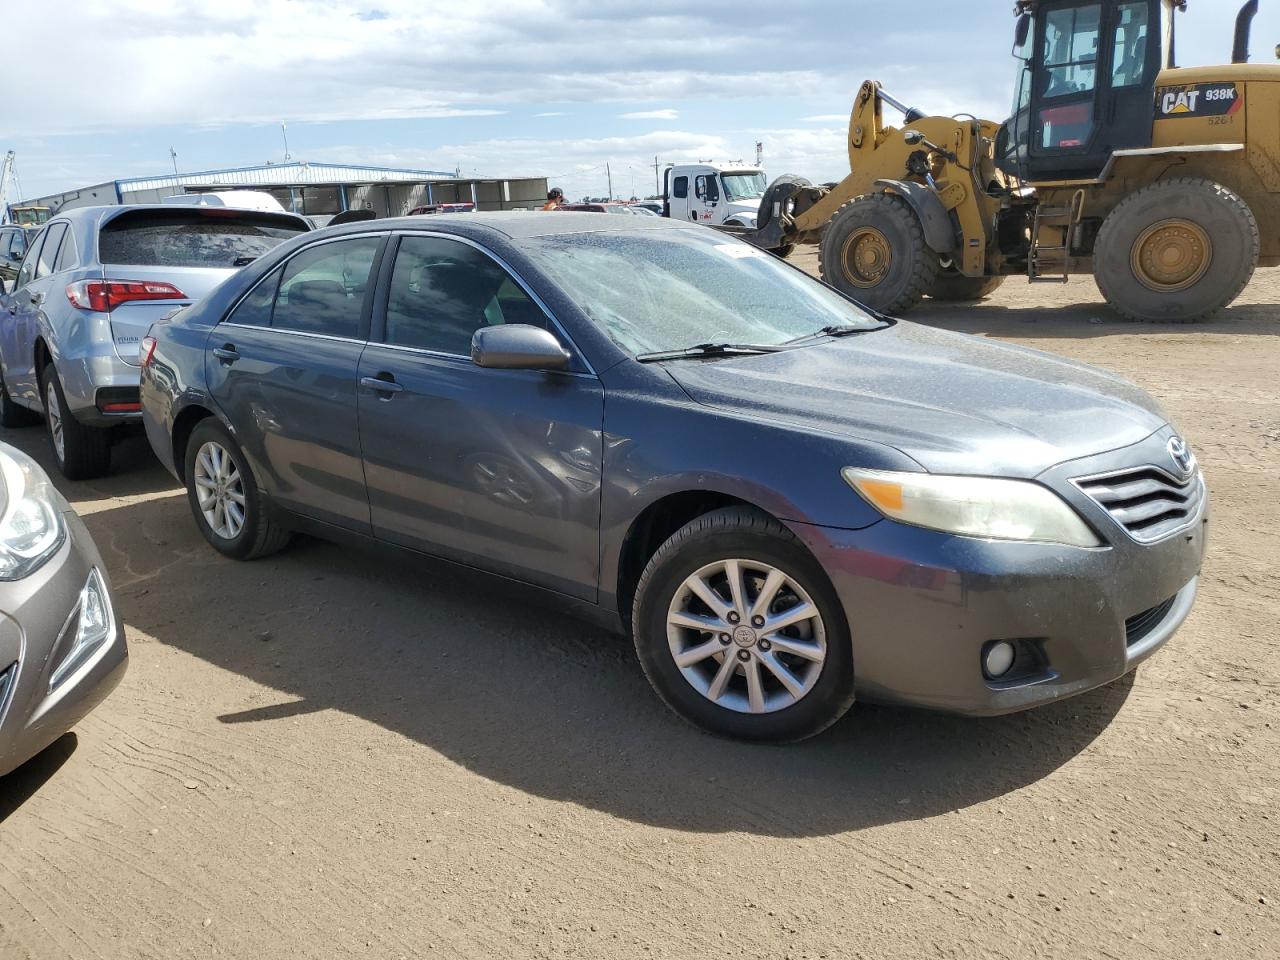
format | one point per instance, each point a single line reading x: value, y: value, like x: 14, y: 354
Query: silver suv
x: 91, y: 284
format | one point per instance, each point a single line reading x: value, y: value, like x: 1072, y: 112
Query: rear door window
x: 191, y: 238
x: 67, y: 256
x: 49, y: 252
x: 323, y: 288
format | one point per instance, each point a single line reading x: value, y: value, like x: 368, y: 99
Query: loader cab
x: 1086, y: 81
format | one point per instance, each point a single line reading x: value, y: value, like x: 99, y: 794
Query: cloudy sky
x: 551, y: 88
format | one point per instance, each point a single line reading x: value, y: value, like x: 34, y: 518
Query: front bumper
x: 38, y: 618
x: 923, y: 605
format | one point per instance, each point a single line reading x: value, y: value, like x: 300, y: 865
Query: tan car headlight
x: 984, y: 507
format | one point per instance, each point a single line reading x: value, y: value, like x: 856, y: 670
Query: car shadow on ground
x: 1085, y: 320
x: 19, y: 786
x: 526, y: 696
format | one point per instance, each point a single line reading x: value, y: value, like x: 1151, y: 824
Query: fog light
x: 998, y: 660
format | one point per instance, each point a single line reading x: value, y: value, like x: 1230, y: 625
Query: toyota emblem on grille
x: 1182, y: 456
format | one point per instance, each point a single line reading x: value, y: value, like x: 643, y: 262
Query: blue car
x: 788, y: 501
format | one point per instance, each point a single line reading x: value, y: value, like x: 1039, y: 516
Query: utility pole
x: 609, y: 173
x: 759, y: 153
x: 173, y: 155
x: 657, y: 178
x: 285, y: 134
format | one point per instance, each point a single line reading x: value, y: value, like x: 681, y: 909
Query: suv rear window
x: 191, y: 239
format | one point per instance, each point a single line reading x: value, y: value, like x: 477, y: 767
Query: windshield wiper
x: 835, y: 330
x: 709, y: 350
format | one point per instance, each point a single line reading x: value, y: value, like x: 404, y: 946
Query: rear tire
x: 12, y: 415
x: 952, y: 287
x: 729, y: 682
x: 82, y: 452
x: 1176, y: 251
x: 874, y: 251
x: 226, y: 489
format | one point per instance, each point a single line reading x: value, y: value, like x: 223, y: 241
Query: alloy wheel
x: 54, y: 411
x: 219, y: 490
x: 747, y: 636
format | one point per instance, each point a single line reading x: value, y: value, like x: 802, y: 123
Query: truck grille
x: 1149, y: 503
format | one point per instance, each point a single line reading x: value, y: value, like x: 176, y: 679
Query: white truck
x: 716, y: 194
x: 726, y: 196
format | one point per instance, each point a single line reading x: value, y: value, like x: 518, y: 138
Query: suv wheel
x: 82, y: 452
x: 739, y: 630
x: 225, y: 498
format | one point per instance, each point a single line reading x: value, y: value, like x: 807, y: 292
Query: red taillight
x: 121, y: 407
x: 146, y: 350
x: 103, y: 296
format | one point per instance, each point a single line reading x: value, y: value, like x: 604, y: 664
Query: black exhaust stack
x: 1244, y: 24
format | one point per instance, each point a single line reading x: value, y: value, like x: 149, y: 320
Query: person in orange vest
x: 555, y: 197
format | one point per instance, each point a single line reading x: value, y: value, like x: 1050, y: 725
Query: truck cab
x: 713, y: 193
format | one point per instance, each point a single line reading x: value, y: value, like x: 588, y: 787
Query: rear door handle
x: 383, y: 383
x: 227, y: 353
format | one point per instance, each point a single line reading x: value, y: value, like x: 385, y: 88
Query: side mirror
x: 1021, y: 32
x: 912, y: 138
x: 15, y: 256
x: 517, y: 346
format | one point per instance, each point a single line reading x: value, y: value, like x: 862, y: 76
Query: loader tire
x: 874, y: 251
x: 952, y: 287
x: 1176, y: 251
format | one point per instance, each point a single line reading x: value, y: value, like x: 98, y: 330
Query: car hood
x: 953, y: 403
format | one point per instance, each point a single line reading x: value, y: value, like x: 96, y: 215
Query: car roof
x: 517, y: 224
x: 105, y: 212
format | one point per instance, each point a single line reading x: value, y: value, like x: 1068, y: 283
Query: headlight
x: 31, y: 528
x: 973, y: 506
x: 95, y: 626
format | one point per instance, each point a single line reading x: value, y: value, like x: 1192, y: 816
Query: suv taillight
x: 103, y: 296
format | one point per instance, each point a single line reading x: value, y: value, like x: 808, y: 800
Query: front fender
x: 938, y: 231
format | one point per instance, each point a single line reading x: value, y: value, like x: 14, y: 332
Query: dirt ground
x: 335, y: 753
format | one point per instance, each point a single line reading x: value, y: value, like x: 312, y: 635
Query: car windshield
x: 663, y: 290
x: 185, y: 239
x: 743, y: 186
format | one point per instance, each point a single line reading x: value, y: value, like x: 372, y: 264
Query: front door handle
x: 382, y: 383
x: 37, y: 299
x: 227, y: 353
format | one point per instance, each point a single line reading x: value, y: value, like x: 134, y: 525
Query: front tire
x: 225, y: 499
x: 874, y: 251
x: 82, y: 452
x: 1178, y: 250
x: 740, y: 632
x: 12, y: 415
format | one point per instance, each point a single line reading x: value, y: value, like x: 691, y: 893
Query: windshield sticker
x: 1198, y: 100
x: 740, y: 251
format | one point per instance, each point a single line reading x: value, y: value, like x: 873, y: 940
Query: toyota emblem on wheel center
x: 1182, y: 456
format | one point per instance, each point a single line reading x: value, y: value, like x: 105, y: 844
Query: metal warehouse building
x: 319, y: 188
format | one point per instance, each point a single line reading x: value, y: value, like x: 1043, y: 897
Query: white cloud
x: 667, y: 113
x: 551, y: 113
x: 826, y: 118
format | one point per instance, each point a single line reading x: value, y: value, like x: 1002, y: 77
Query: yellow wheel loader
x: 1161, y: 181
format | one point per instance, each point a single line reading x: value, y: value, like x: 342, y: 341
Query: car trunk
x: 177, y: 256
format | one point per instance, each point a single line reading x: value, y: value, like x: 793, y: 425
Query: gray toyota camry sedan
x: 62, y: 646
x: 788, y: 501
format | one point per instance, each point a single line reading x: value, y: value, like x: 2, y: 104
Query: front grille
x: 1141, y: 624
x: 1149, y: 503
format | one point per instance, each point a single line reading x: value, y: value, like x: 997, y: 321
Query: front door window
x: 1069, y: 77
